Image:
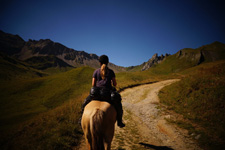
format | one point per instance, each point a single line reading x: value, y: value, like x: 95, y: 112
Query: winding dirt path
x: 146, y: 127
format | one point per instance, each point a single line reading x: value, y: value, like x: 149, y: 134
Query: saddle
x: 105, y: 94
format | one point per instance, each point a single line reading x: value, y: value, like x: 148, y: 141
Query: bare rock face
x: 154, y: 60
x: 206, y: 53
x: 191, y: 55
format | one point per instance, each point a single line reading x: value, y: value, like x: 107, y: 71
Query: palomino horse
x: 98, y: 124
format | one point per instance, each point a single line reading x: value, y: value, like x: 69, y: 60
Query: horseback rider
x: 102, y: 88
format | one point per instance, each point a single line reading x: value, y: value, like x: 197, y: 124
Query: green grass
x: 199, y: 97
x: 23, y: 99
x: 134, y: 68
x: 56, y: 70
x: 55, y: 129
x: 129, y: 79
x: 42, y: 112
x: 30, y: 107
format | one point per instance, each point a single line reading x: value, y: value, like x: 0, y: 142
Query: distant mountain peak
x: 15, y: 46
x: 217, y: 42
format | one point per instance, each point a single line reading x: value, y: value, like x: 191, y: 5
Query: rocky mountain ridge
x: 49, y: 48
x: 53, y: 54
x: 154, y: 60
x: 15, y: 46
x: 188, y: 57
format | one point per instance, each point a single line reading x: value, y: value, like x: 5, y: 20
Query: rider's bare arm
x: 93, y: 82
x: 114, y: 82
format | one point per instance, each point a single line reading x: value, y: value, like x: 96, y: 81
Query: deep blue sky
x: 128, y: 31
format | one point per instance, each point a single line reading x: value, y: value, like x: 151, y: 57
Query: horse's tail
x: 96, y: 127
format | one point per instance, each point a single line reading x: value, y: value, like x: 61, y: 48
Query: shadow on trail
x: 134, y: 85
x: 149, y: 146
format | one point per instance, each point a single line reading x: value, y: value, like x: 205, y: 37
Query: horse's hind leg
x: 86, y: 130
x: 107, y: 145
x: 107, y: 142
x: 88, y: 142
x: 88, y: 145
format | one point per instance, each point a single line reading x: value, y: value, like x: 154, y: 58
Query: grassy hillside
x: 188, y: 58
x: 45, y: 62
x: 13, y: 69
x: 135, y: 68
x: 22, y: 100
x: 199, y: 97
x: 213, y: 52
x: 129, y: 79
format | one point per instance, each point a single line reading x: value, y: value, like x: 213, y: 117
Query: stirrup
x: 120, y: 124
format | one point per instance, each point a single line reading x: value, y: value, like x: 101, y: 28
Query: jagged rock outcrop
x: 153, y: 61
x: 191, y: 55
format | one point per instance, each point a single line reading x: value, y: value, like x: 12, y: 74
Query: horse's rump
x: 98, y: 123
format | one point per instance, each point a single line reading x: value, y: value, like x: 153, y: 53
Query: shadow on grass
x: 149, y: 146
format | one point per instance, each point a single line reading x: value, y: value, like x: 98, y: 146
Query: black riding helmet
x: 104, y: 59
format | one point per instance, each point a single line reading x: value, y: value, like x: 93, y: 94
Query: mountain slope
x: 10, y: 44
x: 44, y: 62
x: 187, y: 58
x: 15, y: 69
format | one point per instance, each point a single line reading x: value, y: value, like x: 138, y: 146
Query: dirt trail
x: 146, y: 127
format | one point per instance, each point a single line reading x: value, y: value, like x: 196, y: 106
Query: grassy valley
x: 41, y: 97
x: 42, y: 111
